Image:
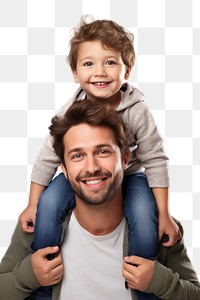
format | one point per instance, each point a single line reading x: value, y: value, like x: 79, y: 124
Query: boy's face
x: 94, y: 163
x: 100, y: 72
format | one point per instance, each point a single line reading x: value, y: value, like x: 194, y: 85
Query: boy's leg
x: 43, y: 293
x: 142, y: 216
x: 141, y: 212
x: 54, y: 202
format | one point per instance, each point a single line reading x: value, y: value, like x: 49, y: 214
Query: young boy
x: 101, y: 58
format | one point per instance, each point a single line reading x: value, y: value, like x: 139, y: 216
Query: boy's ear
x: 76, y: 79
x: 64, y: 170
x: 127, y: 73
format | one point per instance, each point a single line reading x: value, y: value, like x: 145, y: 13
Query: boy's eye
x: 88, y: 64
x: 110, y: 62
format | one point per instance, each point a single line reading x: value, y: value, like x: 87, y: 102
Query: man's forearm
x: 18, y: 283
x: 17, y: 279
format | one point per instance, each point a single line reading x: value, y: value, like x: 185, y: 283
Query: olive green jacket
x: 173, y: 277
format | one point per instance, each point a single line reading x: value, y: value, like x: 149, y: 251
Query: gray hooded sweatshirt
x: 146, y: 145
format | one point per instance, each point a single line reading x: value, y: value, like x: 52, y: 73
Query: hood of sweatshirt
x: 130, y: 95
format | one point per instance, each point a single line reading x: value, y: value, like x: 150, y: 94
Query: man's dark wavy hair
x: 92, y: 113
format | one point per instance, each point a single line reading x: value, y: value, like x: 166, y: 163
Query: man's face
x: 94, y: 165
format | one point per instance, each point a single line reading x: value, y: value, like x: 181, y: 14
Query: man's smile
x: 93, y: 181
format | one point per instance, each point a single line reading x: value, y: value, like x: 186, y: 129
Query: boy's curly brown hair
x: 110, y: 34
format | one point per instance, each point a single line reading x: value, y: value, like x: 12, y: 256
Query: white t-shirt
x: 93, y: 264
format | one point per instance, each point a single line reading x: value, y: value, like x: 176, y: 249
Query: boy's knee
x: 46, y: 201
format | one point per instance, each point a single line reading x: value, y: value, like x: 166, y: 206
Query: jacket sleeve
x: 46, y: 164
x: 150, y: 151
x: 177, y: 279
x: 47, y: 161
x: 17, y: 279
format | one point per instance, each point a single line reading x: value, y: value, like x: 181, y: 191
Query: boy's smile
x: 100, y: 72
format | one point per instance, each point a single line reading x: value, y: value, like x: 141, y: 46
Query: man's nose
x: 92, y: 165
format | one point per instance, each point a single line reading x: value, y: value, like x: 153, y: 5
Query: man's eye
x: 103, y: 152
x: 76, y: 156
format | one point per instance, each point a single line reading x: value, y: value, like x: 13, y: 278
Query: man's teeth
x: 93, y: 181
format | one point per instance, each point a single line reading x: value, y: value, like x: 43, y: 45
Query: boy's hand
x: 137, y: 272
x: 27, y: 219
x: 169, y: 227
x: 47, y: 272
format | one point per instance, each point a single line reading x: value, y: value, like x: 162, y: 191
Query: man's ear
x: 126, y: 159
x: 76, y: 79
x: 64, y: 170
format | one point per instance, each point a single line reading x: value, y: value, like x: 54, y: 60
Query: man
x: 91, y: 141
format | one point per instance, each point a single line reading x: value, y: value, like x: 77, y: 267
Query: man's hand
x: 169, y: 227
x: 137, y: 272
x: 47, y: 272
x: 27, y: 219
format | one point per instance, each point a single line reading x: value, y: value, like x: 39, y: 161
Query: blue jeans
x: 142, y: 216
x: 54, y: 202
x: 139, y: 207
x: 43, y: 293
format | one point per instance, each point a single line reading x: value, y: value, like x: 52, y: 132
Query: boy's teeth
x: 93, y: 181
x: 100, y: 83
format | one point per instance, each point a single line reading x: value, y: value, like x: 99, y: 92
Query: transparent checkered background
x: 35, y: 81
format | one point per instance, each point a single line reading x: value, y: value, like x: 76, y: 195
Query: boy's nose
x: 100, y: 71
